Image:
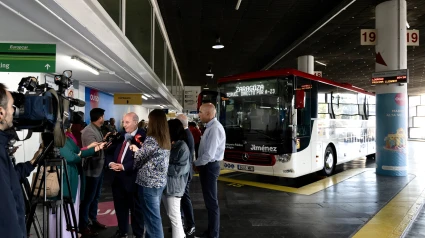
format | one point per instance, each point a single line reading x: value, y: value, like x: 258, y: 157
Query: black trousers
x: 208, y: 175
x: 125, y: 202
x: 186, y: 205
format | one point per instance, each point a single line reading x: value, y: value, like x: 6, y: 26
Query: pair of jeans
x: 208, y: 174
x: 186, y: 204
x: 88, y: 207
x: 172, y: 207
x: 151, y: 201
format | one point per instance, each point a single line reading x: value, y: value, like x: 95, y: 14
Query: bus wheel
x: 330, y: 161
x: 370, y: 157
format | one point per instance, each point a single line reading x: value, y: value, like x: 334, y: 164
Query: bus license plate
x: 246, y: 168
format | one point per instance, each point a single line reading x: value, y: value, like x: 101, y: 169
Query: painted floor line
x: 397, y: 216
x: 305, y: 190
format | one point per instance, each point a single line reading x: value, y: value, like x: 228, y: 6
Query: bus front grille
x: 241, y: 157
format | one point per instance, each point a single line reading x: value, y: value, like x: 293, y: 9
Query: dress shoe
x: 202, y: 235
x: 189, y: 231
x: 88, y: 233
x: 119, y: 234
x: 98, y: 225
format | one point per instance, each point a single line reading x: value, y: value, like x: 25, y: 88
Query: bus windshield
x: 254, y: 111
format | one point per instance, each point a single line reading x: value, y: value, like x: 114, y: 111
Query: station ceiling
x: 261, y: 30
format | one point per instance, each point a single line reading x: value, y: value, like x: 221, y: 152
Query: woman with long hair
x: 178, y: 173
x: 151, y: 161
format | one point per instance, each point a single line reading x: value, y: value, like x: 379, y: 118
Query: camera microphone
x: 76, y: 102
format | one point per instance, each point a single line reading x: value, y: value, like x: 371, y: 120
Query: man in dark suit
x: 186, y: 202
x: 120, y: 160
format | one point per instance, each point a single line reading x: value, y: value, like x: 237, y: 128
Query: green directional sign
x: 20, y: 57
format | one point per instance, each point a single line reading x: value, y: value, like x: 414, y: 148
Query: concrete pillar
x: 391, y: 99
x: 306, y: 64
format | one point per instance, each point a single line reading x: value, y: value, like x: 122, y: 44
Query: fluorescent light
x: 206, y: 88
x: 320, y: 63
x: 209, y: 74
x: 145, y: 98
x: 218, y: 44
x: 407, y: 25
x: 85, y: 65
x: 238, y: 4
x: 161, y: 106
x: 265, y: 107
x: 147, y: 95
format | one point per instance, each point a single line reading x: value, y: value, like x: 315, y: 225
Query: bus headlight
x: 283, y: 158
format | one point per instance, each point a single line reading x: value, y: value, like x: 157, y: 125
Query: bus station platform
x: 355, y: 202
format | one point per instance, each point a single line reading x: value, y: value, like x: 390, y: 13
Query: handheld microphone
x: 128, y: 137
x: 138, y: 138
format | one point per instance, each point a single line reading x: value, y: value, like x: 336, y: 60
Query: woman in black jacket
x: 178, y: 173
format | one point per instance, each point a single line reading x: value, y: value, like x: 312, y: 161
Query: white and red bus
x: 289, y: 123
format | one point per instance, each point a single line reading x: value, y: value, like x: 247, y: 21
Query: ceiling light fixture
x: 206, y: 87
x: 407, y: 25
x: 238, y: 4
x: 209, y: 73
x: 144, y: 98
x: 161, y: 106
x: 147, y: 95
x: 320, y: 63
x: 218, y: 44
x: 85, y: 65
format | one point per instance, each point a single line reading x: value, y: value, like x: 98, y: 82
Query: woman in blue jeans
x: 151, y: 161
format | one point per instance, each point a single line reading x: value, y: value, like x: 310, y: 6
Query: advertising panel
x: 95, y: 98
x: 391, y: 134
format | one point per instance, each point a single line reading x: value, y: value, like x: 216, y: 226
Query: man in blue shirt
x: 210, y: 153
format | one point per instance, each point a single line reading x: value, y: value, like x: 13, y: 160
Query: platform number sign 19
x: 318, y: 73
x: 368, y: 37
x: 412, y: 37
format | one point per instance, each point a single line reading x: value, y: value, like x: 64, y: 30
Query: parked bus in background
x: 289, y: 123
x: 208, y: 96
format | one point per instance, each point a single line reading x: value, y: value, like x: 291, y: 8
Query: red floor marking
x: 106, y: 214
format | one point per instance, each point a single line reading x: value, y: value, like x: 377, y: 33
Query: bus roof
x: 287, y: 72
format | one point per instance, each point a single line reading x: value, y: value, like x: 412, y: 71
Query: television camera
x: 40, y: 108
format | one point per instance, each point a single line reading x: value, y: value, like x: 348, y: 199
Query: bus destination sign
x: 253, y: 89
x: 388, y: 77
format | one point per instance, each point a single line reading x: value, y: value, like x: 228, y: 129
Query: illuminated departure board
x: 252, y: 88
x: 387, y: 77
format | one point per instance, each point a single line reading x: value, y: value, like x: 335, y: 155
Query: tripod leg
x: 71, y: 205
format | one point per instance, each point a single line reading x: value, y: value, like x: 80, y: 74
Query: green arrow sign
x: 18, y: 57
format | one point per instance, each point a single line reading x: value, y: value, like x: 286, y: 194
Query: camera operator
x: 93, y: 170
x: 12, y: 205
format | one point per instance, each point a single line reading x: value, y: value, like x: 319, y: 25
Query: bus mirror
x: 299, y: 99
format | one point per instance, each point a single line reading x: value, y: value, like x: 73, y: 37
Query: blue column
x: 391, y: 100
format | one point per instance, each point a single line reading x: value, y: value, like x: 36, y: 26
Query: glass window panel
x: 112, y: 7
x: 414, y: 100
x: 417, y: 133
x: 324, y: 116
x: 418, y: 121
x: 169, y: 69
x: 371, y: 99
x: 321, y: 97
x: 159, y: 53
x: 420, y: 110
x: 139, y: 26
x: 323, y: 108
x: 347, y: 109
x: 174, y: 86
x: 345, y: 98
x: 360, y: 98
x: 372, y: 110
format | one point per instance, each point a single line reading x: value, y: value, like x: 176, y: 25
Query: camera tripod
x: 50, y: 158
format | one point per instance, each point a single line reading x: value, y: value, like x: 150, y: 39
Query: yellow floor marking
x: 306, y: 190
x: 393, y: 219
